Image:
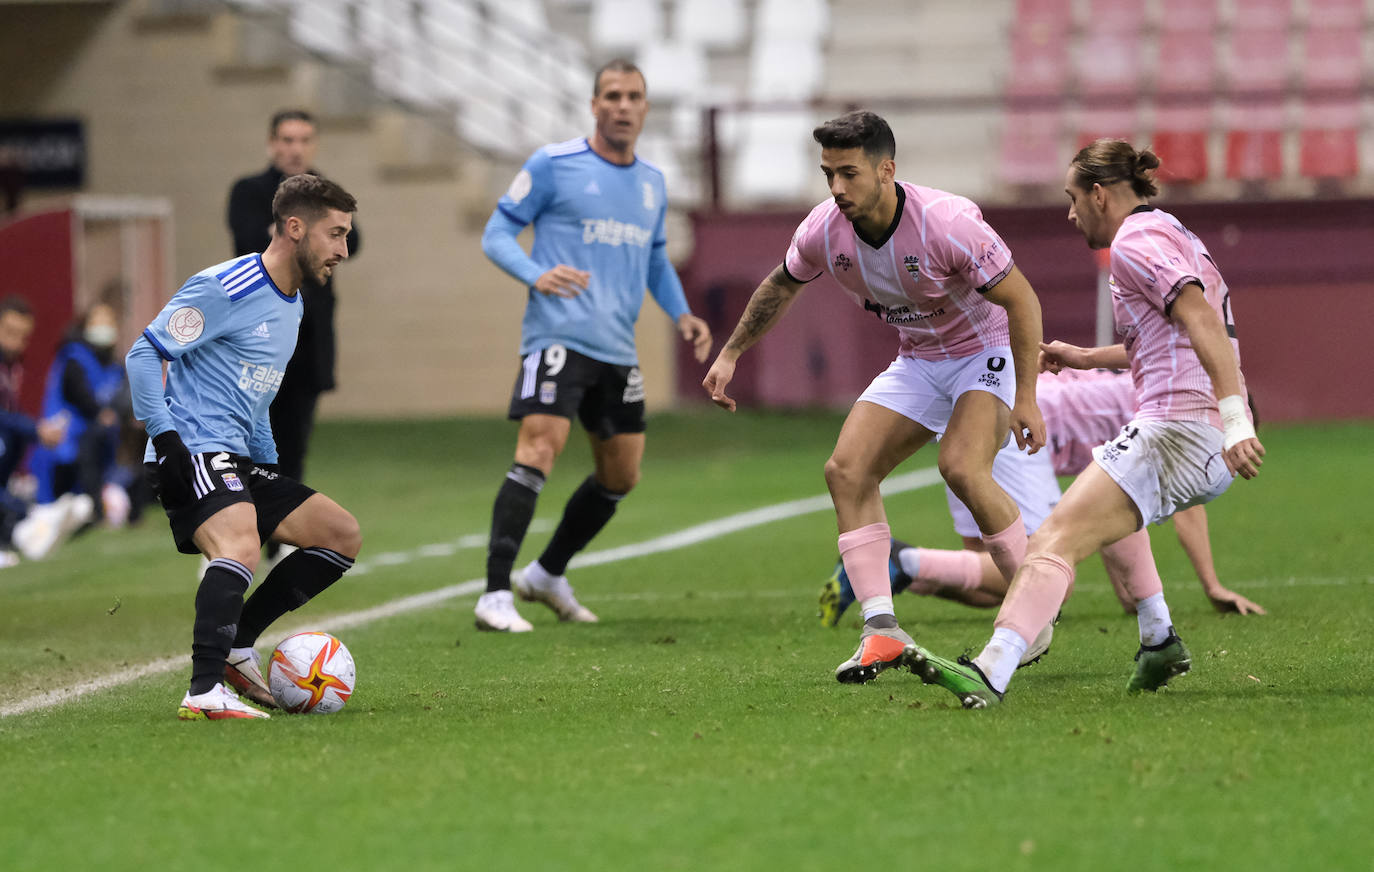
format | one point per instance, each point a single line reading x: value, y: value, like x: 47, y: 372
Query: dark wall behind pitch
x: 1301, y: 276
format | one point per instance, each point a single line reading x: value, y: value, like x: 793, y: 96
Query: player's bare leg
x: 537, y: 447
x: 872, y: 442
x: 977, y: 429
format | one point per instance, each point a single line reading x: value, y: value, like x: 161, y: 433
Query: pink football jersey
x: 1083, y: 409
x: 925, y: 276
x: 1152, y: 258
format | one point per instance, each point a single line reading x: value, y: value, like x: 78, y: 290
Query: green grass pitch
x: 698, y: 726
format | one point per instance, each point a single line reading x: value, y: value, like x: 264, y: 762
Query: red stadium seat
x: 1336, y: 14
x: 1262, y: 14
x: 1109, y: 63
x: 1187, y: 63
x: 1258, y: 60
x: 1254, y: 153
x: 1115, y: 16
x: 1330, y: 154
x: 1332, y: 59
x: 1182, y: 155
x: 1196, y: 16
x: 1034, y: 17
x: 1039, y: 63
x: 1329, y: 142
x: 1031, y: 152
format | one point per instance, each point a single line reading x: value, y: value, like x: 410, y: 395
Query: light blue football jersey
x: 600, y: 217
x: 228, y: 335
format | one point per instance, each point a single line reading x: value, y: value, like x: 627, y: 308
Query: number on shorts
x: 997, y: 364
x: 555, y: 356
x: 1129, y: 433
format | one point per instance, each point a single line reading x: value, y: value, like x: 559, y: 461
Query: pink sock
x: 1131, y: 562
x: 1008, y: 548
x: 865, y: 552
x: 957, y: 569
x: 1039, y: 589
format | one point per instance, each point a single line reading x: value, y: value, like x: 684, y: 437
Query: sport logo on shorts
x: 186, y: 324
x: 232, y: 481
x: 634, y: 387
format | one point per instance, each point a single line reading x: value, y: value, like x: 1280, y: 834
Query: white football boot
x: 495, y: 611
x: 243, y: 671
x: 1038, y: 647
x: 216, y: 704
x: 40, y: 531
x: 536, y: 586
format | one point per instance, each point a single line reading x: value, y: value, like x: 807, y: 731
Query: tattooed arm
x: 766, y: 306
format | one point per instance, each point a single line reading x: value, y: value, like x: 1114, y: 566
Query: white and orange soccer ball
x: 311, y: 673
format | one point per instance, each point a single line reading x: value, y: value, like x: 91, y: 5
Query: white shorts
x: 1166, y: 466
x: 1027, y: 478
x: 925, y: 390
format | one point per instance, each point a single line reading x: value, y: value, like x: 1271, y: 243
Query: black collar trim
x: 891, y: 228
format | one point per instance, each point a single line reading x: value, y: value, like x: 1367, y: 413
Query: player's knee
x: 843, y: 476
x: 618, y: 482
x: 538, y: 453
x: 241, y: 549
x: 344, y: 533
x: 961, y: 475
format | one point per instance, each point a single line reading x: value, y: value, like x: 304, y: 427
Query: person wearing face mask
x: 33, y: 533
x: 86, y: 384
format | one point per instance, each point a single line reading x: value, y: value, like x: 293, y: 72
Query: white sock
x: 999, y: 659
x: 1153, y: 615
x: 537, y: 575
x: 877, y: 605
x: 910, y: 561
x: 236, y: 654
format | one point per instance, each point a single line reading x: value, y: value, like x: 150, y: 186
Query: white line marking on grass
x: 681, y: 539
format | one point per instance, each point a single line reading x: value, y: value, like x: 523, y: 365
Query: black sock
x: 297, y: 579
x: 510, y: 518
x: 218, y: 603
x: 588, y: 510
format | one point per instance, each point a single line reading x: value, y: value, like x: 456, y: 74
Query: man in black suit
x: 291, y: 145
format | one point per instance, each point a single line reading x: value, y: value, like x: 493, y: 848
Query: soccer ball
x: 311, y: 673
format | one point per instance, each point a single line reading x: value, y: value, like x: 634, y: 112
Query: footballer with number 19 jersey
x: 598, y: 212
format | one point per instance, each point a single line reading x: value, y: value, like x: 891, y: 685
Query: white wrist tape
x: 1235, y: 425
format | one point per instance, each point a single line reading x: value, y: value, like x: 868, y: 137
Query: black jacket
x: 250, y: 215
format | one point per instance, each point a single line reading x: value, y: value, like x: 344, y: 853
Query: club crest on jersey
x: 650, y: 199
x: 912, y: 264
x: 548, y: 392
x: 232, y: 481
x: 186, y: 324
x: 843, y: 262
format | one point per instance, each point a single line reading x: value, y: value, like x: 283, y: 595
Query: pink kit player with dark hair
x: 1082, y: 409
x: 928, y: 264
x: 1191, y: 435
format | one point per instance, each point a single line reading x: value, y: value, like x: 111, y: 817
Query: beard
x: 311, y: 267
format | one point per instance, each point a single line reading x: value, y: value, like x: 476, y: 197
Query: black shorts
x: 607, y: 398
x: 223, y: 479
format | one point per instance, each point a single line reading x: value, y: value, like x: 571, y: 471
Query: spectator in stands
x: 293, y: 139
x: 86, y: 387
x: 35, y: 533
x: 598, y: 214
